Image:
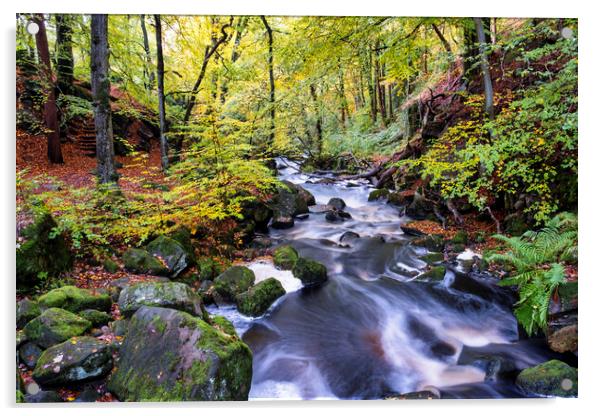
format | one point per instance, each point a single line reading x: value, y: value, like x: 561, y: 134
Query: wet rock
x: 54, y: 326
x: 552, y: 378
x: 119, y: 327
x: 348, y: 237
x: 336, y: 215
x: 142, y: 262
x: 26, y: 310
x: 400, y: 198
x: 257, y: 300
x: 310, y: 272
x: 432, y: 242
x: 234, y: 281
x: 419, y: 208
x: 173, y: 295
x: 495, y: 366
x: 29, y: 353
x: 282, y: 221
x: 416, y: 395
x: 43, y: 396
x: 74, y: 299
x: 378, y: 194
x: 285, y: 257
x: 432, y: 258
x: 88, y: 395
x: 170, y: 355
x: 291, y: 200
x: 74, y: 361
x: 434, y: 274
x: 182, y: 236
x: 206, y: 292
x: 42, y: 254
x: 173, y: 255
x: 337, y: 203
x: 96, y: 317
x: 564, y: 340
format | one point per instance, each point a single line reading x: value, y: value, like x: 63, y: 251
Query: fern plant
x: 538, y: 260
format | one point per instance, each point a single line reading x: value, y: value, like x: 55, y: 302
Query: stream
x: 372, y: 330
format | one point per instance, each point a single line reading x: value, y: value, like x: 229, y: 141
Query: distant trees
x: 50, y: 111
x: 99, y: 66
x: 161, y: 94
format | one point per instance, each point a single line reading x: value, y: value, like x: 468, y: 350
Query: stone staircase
x: 82, y: 132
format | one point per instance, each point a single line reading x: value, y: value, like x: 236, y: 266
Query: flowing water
x: 372, y: 330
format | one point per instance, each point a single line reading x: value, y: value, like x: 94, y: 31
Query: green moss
x: 140, y: 261
x: 435, y: 274
x: 461, y: 237
x: 96, y: 318
x: 310, y: 272
x: 159, y: 324
x: 110, y: 266
x: 224, y: 325
x: 552, y: 378
x: 432, y: 258
x: 433, y: 242
x: 54, y: 326
x: 44, y: 254
x: 234, y: 281
x: 74, y: 299
x: 257, y: 300
x: 377, y: 194
x: 285, y: 257
x: 26, y: 311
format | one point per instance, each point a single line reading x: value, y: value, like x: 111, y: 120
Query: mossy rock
x: 432, y: 258
x: 378, y: 194
x: 435, y: 274
x: 97, y: 318
x: 208, y: 268
x: 55, y: 325
x: 140, y: 261
x: 224, y: 325
x: 398, y: 198
x: 310, y: 272
x: 457, y: 247
x: 169, y: 355
x: 461, y: 237
x: 257, y: 300
x: 173, y: 295
x: 173, y: 255
x: 110, y: 266
x: 234, y: 281
x: 552, y: 378
x: 182, y: 235
x: 285, y: 257
x: 27, y: 309
x: 29, y: 354
x: 77, y: 360
x: 74, y: 299
x: 119, y: 327
x: 44, y: 253
x: 432, y: 242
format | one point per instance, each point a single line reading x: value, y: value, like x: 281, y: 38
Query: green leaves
x: 537, y: 262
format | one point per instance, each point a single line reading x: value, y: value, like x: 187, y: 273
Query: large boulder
x: 285, y: 257
x: 173, y: 295
x: 257, y: 300
x: 43, y: 253
x: 562, y: 319
x: 335, y: 215
x: 310, y: 272
x: 55, y: 325
x: 169, y: 355
x: 289, y: 201
x: 74, y: 299
x: 26, y: 310
x: 552, y: 378
x: 234, y: 281
x: 337, y: 203
x: 137, y: 260
x: 378, y: 194
x: 174, y: 255
x: 96, y: 318
x: 74, y: 361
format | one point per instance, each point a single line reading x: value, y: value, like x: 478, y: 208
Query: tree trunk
x: 149, y: 74
x: 272, y: 84
x: 314, y: 97
x: 371, y: 88
x: 240, y: 28
x: 487, y: 85
x: 471, y: 50
x: 99, y: 65
x: 50, y: 113
x: 64, y: 49
x: 161, y: 94
x: 444, y: 41
x: 342, y: 97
